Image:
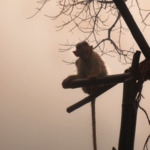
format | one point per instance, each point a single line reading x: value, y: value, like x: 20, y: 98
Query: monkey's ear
x: 76, y: 53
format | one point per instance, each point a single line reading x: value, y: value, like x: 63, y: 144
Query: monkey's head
x: 83, y: 50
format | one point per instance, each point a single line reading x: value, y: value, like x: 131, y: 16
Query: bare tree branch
x: 95, y: 18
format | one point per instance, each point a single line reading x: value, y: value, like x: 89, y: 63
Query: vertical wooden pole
x: 129, y: 110
x: 129, y: 115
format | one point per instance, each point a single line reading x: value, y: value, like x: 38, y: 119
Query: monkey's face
x: 84, y: 52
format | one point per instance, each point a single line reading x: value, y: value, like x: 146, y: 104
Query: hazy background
x: 32, y: 102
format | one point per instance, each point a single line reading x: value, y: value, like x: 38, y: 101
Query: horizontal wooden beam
x: 110, y: 79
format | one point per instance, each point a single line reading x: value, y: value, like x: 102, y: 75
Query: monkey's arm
x: 69, y: 79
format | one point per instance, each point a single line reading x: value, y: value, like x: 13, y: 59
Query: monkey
x: 89, y: 65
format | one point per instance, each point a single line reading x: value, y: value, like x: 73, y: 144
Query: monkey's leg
x: 94, y: 124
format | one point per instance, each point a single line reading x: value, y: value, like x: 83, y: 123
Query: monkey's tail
x: 94, y: 124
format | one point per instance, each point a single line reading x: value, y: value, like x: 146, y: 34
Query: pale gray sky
x: 32, y: 102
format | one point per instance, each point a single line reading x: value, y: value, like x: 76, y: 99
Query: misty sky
x: 32, y: 102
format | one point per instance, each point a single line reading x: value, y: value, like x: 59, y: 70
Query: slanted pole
x: 138, y: 36
x: 129, y: 110
x: 89, y: 99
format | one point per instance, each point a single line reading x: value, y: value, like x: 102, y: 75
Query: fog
x: 32, y: 101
